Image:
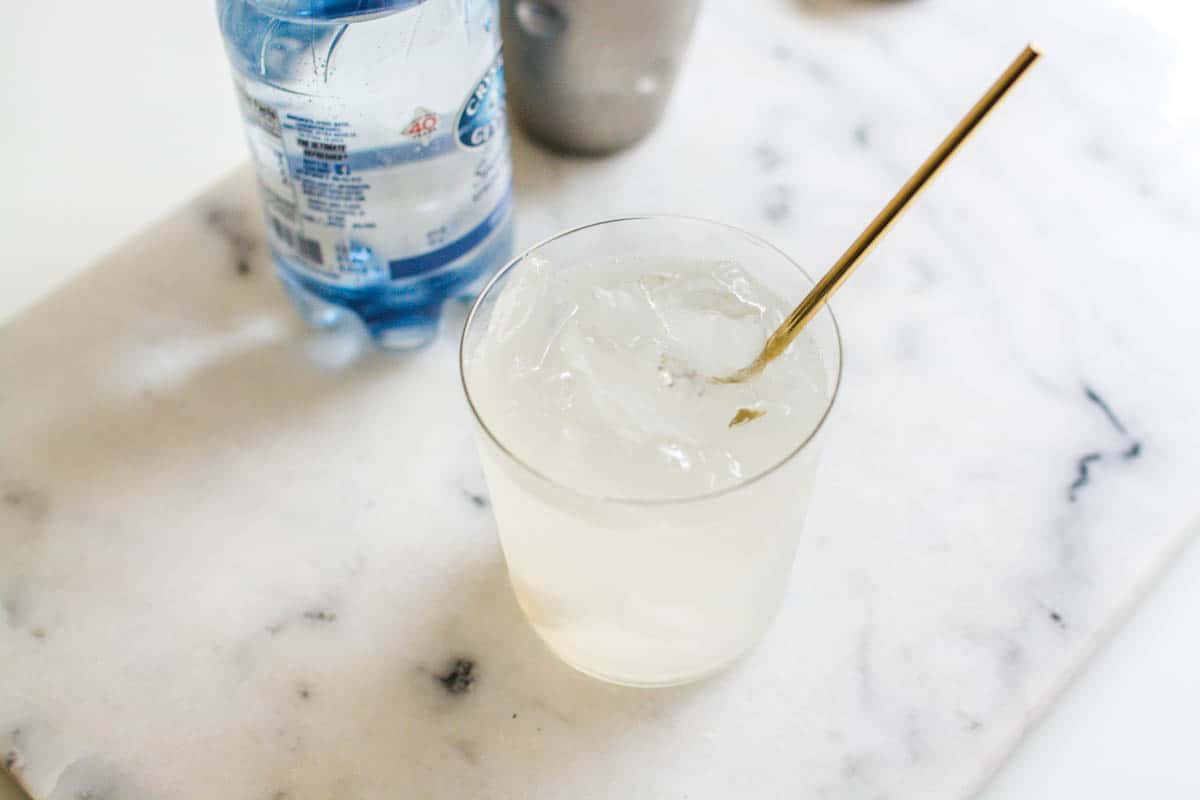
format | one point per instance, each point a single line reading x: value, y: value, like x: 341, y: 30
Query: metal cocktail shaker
x: 592, y: 76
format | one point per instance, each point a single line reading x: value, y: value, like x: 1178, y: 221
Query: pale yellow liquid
x: 648, y: 542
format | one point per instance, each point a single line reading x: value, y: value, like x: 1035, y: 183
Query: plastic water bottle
x: 377, y: 131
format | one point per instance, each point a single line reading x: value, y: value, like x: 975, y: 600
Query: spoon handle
x: 840, y: 271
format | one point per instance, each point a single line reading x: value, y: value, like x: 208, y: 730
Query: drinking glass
x: 650, y: 591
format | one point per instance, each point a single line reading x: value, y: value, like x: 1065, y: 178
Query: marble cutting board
x: 242, y: 560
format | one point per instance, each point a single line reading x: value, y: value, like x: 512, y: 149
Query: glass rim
x: 642, y: 501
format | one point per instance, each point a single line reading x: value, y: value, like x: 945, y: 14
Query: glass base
x: 641, y: 682
x: 648, y: 680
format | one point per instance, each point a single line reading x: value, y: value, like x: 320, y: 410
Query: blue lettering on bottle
x: 482, y: 114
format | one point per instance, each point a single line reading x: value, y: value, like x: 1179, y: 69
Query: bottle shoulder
x: 324, y: 10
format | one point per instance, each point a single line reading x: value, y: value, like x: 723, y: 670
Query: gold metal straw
x: 839, y: 272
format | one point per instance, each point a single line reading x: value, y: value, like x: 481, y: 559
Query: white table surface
x: 1124, y: 727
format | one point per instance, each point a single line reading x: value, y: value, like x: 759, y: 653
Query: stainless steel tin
x: 592, y: 76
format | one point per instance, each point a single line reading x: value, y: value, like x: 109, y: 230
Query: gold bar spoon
x: 787, y: 331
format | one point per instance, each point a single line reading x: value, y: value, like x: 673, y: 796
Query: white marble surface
x: 945, y: 552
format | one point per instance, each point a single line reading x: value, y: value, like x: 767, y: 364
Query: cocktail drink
x: 648, y: 539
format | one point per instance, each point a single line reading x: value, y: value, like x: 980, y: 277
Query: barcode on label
x: 283, y: 232
x: 310, y: 249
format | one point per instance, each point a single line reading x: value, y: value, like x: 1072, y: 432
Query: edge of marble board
x: 1138, y: 592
